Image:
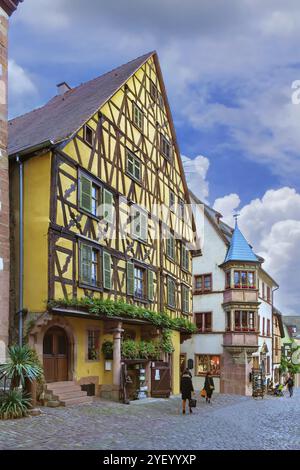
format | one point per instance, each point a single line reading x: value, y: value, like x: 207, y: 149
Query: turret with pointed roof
x: 239, y: 249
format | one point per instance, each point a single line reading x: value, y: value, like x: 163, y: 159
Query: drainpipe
x: 21, y: 258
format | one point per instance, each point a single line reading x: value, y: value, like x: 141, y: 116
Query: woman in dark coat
x: 209, y: 386
x: 186, y: 389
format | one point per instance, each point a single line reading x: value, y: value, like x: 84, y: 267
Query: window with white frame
x: 134, y: 166
x: 138, y: 116
x: 139, y: 224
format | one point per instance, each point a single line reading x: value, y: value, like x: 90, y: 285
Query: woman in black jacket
x: 186, y: 389
x: 209, y: 386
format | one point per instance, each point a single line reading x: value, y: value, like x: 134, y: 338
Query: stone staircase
x: 65, y: 394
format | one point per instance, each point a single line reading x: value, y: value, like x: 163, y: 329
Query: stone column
x: 4, y: 190
x: 117, y: 335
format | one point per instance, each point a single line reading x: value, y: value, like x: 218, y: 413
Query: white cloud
x: 227, y: 206
x: 272, y: 225
x: 20, y: 82
x: 21, y: 88
x: 196, y: 172
x: 48, y: 15
x: 227, y: 65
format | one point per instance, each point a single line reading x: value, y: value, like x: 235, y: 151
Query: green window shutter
x: 171, y: 293
x: 150, y: 285
x: 108, y: 200
x: 185, y: 299
x: 185, y: 257
x: 86, y: 264
x: 171, y: 247
x: 130, y: 278
x: 106, y: 270
x: 168, y: 246
x: 85, y: 193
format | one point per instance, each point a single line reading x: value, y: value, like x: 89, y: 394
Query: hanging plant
x: 110, y: 309
x: 166, y: 342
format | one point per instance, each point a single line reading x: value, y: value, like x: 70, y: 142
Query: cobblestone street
x: 231, y: 422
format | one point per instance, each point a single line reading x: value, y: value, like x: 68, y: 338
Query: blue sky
x: 228, y: 68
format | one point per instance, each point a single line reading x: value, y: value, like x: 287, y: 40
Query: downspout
x: 21, y: 255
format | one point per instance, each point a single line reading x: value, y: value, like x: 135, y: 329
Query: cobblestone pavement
x: 231, y: 422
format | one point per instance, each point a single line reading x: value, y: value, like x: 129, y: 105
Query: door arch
x: 56, y: 350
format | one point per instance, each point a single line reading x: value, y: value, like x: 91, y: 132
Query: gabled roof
x: 278, y: 314
x: 224, y: 230
x: 65, y: 114
x: 240, y: 249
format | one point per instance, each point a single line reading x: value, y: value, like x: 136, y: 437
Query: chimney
x: 218, y: 217
x: 62, y: 88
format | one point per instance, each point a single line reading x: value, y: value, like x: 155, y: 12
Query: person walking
x: 290, y: 385
x: 209, y: 386
x: 186, y: 389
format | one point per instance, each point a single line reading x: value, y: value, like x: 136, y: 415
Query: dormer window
x: 88, y: 135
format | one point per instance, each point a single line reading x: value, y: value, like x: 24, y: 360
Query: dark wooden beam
x: 9, y: 6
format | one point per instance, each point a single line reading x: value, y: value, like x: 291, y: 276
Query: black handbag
x: 193, y: 403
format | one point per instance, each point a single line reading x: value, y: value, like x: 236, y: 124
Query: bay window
x: 244, y: 320
x: 244, y: 279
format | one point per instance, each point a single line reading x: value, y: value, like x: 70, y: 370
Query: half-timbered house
x: 94, y: 173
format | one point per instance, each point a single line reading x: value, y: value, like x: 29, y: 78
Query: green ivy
x: 111, y: 309
x: 286, y: 364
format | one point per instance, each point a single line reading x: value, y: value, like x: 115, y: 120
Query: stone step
x: 72, y: 394
x: 51, y: 385
x: 77, y: 401
x: 63, y: 389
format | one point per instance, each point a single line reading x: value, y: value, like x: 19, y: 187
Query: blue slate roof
x: 239, y: 249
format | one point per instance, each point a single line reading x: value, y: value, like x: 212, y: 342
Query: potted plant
x: 23, y: 367
x: 108, y: 350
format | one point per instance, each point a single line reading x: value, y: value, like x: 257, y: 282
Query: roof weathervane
x: 236, y: 216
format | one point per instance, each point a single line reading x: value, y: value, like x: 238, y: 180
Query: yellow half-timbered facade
x: 104, y: 214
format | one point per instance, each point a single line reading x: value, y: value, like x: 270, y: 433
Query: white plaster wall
x: 214, y: 251
x: 265, y: 311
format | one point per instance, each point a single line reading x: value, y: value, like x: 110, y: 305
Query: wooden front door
x: 55, y: 355
x: 161, y: 380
